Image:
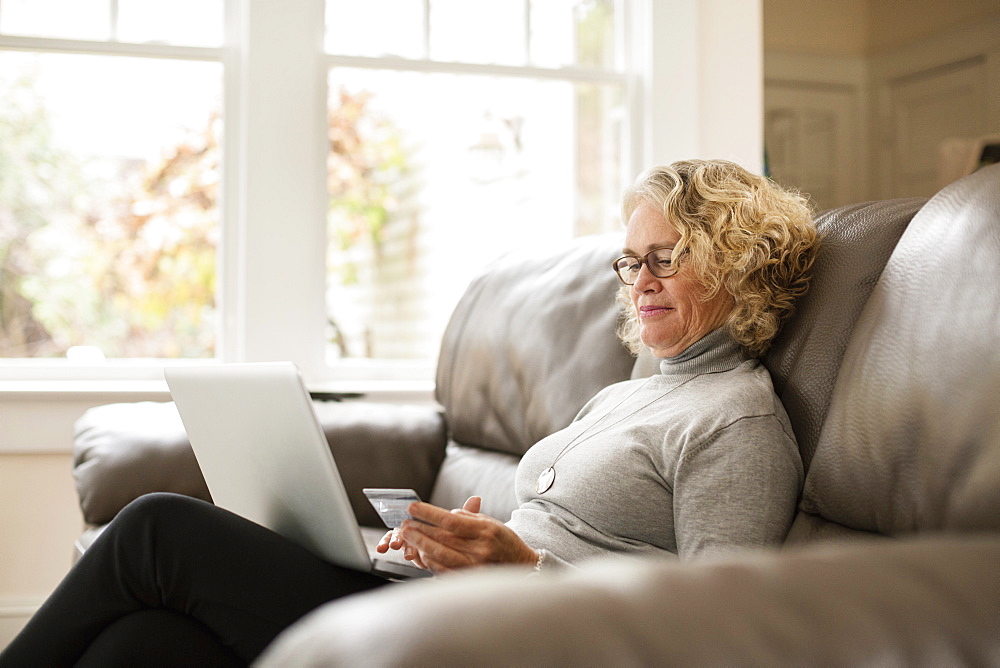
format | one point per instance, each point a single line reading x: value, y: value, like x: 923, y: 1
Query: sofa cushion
x: 532, y: 340
x: 122, y: 451
x: 912, y: 437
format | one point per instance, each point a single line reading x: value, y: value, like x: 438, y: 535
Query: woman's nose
x: 645, y: 281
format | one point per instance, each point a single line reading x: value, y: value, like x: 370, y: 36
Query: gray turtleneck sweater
x: 699, y: 458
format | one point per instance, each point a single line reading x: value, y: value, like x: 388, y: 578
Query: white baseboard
x: 14, y: 614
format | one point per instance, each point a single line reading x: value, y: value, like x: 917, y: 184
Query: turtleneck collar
x: 715, y: 352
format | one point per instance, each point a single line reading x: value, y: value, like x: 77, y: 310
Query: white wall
x: 39, y: 512
x: 39, y: 521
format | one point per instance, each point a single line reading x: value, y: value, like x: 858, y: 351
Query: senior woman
x: 697, y: 458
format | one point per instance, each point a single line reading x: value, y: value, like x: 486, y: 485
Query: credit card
x: 391, y: 504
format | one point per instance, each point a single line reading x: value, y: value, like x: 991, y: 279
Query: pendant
x: 545, y: 480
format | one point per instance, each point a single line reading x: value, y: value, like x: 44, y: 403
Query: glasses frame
x: 644, y: 260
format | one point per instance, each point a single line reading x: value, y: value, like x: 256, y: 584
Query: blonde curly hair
x: 742, y: 233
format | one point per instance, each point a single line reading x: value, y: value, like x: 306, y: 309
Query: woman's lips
x: 652, y: 311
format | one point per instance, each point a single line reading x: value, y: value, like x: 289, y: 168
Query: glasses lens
x: 628, y: 269
x: 659, y: 262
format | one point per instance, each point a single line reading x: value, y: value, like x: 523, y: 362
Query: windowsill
x: 142, y: 380
x: 156, y: 390
x: 82, y: 389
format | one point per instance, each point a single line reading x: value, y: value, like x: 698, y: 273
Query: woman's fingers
x: 491, y: 543
x: 383, y: 545
x: 434, y: 555
x: 473, y: 504
x: 391, y: 540
x: 460, y: 522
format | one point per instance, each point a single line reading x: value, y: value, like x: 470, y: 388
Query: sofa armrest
x: 921, y: 602
x: 122, y: 451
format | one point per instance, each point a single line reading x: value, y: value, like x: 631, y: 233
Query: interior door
x: 811, y: 134
x: 922, y: 111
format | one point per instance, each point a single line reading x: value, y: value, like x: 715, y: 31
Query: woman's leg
x: 242, y: 582
x: 153, y: 638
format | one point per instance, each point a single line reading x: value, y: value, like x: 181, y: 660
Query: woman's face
x: 672, y: 313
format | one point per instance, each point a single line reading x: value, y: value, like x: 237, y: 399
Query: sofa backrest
x: 804, y: 359
x: 532, y: 339
x: 911, y: 441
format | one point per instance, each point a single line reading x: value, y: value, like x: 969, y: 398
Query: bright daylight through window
x: 463, y: 130
x: 109, y: 173
x: 457, y: 130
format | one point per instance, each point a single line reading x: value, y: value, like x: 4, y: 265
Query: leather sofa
x: 890, y: 373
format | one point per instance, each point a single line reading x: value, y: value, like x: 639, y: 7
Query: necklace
x: 548, y: 477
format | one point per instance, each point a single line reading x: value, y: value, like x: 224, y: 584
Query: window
x: 461, y: 130
x: 161, y: 201
x: 109, y: 178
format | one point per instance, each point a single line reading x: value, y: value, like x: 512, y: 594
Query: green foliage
x: 155, y: 257
x: 38, y: 184
x: 124, y: 262
x: 365, y: 160
x: 121, y: 256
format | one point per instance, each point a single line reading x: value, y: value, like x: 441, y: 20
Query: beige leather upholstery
x: 805, y: 356
x: 888, y: 604
x: 122, y: 451
x: 529, y: 343
x: 912, y: 439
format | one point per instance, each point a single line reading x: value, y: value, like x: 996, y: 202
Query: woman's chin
x: 660, y: 348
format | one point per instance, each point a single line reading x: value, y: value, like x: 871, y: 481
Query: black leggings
x: 173, y: 581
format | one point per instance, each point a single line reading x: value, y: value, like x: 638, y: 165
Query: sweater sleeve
x: 739, y: 488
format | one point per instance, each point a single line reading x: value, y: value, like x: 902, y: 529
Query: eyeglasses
x: 659, y: 261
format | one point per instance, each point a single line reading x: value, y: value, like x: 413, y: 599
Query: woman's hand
x: 392, y: 539
x: 448, y: 540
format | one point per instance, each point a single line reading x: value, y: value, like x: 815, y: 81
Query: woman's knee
x: 163, y: 502
x: 160, y: 511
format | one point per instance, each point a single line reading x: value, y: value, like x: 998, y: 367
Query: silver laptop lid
x: 265, y: 457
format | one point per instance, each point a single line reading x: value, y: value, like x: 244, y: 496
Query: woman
x: 695, y: 459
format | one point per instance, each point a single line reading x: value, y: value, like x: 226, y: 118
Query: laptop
x: 265, y: 457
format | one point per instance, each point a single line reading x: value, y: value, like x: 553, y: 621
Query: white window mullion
x: 276, y: 204
x: 113, y: 20
x: 427, y: 29
x: 528, y: 56
x: 230, y: 345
